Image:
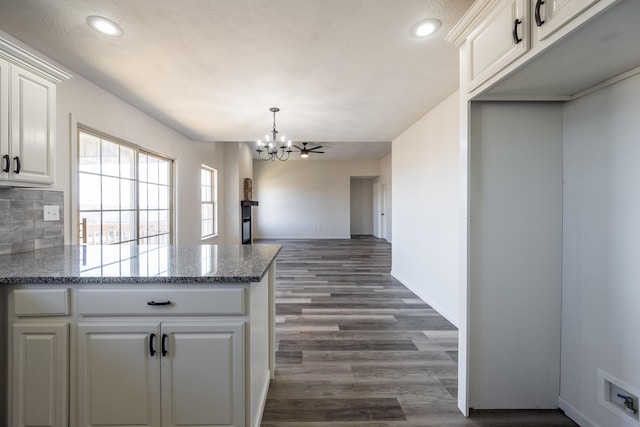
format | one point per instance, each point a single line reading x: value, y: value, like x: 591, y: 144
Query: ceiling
x: 345, y: 73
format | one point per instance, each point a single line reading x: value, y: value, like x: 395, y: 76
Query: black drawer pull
x: 7, y: 163
x: 17, y: 159
x: 159, y: 303
x: 539, y: 20
x: 152, y: 351
x: 164, y: 345
x: 516, y: 39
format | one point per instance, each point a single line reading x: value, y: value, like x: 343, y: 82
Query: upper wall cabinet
x: 543, y: 50
x: 501, y: 38
x: 551, y: 15
x: 32, y: 128
x: 27, y: 117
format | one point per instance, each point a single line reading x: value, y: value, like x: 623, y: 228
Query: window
x: 124, y: 193
x: 154, y: 190
x: 209, y: 202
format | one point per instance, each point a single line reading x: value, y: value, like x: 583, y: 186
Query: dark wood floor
x: 357, y: 348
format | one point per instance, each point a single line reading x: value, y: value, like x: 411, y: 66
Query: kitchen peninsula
x: 138, y: 335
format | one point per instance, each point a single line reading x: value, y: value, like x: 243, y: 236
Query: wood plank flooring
x: 357, y: 348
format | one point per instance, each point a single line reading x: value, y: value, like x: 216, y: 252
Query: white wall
x: 188, y: 158
x: 80, y: 101
x: 362, y: 209
x: 515, y: 255
x: 305, y: 199
x: 89, y: 105
x: 246, y: 165
x: 239, y: 165
x: 601, y: 251
x: 425, y: 205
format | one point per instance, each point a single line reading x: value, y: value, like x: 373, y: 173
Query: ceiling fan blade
x: 315, y: 148
x: 297, y: 147
x: 318, y: 152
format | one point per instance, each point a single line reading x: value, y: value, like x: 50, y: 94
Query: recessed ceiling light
x: 425, y: 28
x: 105, y: 26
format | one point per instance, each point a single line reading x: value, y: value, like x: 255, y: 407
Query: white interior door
x: 383, y: 208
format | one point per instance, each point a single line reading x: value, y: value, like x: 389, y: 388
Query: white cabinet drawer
x: 41, y: 302
x: 106, y: 302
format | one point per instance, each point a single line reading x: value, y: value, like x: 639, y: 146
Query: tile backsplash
x: 22, y: 224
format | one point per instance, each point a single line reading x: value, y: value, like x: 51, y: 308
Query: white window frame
x: 209, y: 202
x: 138, y: 151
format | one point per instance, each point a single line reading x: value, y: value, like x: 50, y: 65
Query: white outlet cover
x: 51, y: 213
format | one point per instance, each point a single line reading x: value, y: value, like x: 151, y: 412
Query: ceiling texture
x: 345, y: 73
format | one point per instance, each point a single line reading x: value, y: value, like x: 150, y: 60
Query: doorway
x: 382, y: 209
x: 362, y: 206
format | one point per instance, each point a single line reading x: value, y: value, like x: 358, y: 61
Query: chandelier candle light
x: 270, y: 144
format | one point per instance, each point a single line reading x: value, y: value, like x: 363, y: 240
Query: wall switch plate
x: 52, y: 213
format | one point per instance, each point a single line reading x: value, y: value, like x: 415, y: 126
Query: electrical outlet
x: 52, y: 213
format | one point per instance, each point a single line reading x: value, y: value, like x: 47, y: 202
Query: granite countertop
x: 139, y: 264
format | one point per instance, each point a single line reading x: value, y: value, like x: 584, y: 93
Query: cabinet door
x: 32, y: 127
x: 498, y: 41
x: 118, y: 378
x: 203, y: 374
x: 4, y: 119
x: 40, y: 354
x: 553, y: 14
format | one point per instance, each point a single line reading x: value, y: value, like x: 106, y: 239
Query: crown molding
x: 477, y: 13
x: 19, y: 56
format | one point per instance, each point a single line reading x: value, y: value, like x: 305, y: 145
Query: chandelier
x: 270, y: 144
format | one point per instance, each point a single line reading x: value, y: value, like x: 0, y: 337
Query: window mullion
x: 136, y: 156
x: 101, y: 195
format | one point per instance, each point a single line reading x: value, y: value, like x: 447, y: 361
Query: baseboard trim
x: 300, y: 237
x: 573, y: 413
x: 263, y: 400
x: 426, y: 299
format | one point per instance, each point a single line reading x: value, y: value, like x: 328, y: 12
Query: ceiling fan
x: 304, y: 151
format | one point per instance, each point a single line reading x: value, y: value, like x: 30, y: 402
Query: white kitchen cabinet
x: 551, y: 15
x: 202, y: 374
x: 118, y: 379
x: 492, y: 64
x: 27, y: 117
x: 32, y: 129
x: 92, y: 355
x: 5, y: 158
x: 40, y: 359
x: 501, y: 38
x: 165, y: 374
